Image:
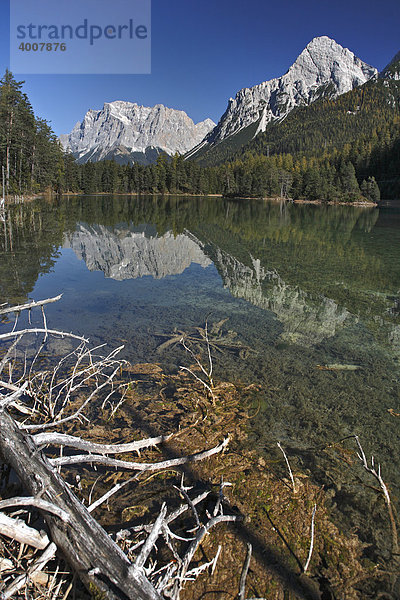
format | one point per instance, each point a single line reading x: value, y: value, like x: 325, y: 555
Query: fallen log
x: 97, y: 559
x: 99, y: 562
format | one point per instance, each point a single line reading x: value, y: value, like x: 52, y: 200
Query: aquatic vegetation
x: 218, y: 339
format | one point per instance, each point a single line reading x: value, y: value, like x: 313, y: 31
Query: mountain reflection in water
x: 304, y: 286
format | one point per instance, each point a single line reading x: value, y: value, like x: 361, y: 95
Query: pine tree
x: 348, y: 181
x: 10, y: 96
x: 370, y: 189
x: 30, y: 154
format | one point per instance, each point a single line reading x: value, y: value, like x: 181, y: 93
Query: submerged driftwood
x: 72, y: 530
x: 158, y: 557
x: 84, y: 543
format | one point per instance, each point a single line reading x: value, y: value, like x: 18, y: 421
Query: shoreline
x: 142, y: 194
x: 333, y: 203
x: 22, y: 198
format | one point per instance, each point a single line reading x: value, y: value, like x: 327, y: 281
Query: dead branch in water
x: 311, y: 540
x: 208, y: 383
x: 38, y: 565
x: 243, y: 576
x: 28, y: 305
x: 17, y: 529
x: 288, y: 466
x: 378, y: 476
x: 51, y: 398
x: 136, y: 466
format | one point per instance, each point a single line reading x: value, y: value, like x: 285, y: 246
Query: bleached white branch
x: 378, y: 475
x: 36, y: 503
x: 243, y: 575
x: 28, y: 305
x: 108, y: 494
x: 135, y: 466
x: 151, y: 539
x: 288, y: 466
x: 7, y: 355
x: 17, y: 393
x: 180, y: 577
x: 194, y: 573
x: 184, y: 493
x: 311, y: 540
x: 79, y: 411
x: 125, y: 533
x: 218, y: 504
x: 208, y: 388
x: 373, y: 471
x: 17, y: 529
x: 11, y: 334
x: 60, y: 439
x: 7, y: 401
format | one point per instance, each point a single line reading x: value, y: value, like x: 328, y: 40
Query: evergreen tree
x: 30, y: 154
x: 370, y: 189
x: 348, y: 181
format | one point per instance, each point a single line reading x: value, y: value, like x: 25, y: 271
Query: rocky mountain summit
x: 323, y: 69
x: 128, y: 133
x: 131, y: 133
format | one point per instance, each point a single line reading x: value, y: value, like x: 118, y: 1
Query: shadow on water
x: 299, y: 585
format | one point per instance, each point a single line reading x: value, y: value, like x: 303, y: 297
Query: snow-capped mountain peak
x: 323, y: 68
x: 134, y: 128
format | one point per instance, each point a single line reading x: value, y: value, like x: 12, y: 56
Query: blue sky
x: 204, y: 51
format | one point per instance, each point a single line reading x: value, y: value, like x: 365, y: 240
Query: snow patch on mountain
x: 324, y: 68
x: 127, y: 125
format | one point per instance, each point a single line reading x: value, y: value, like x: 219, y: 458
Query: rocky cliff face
x: 324, y: 68
x: 125, y: 128
x: 392, y: 70
x: 128, y: 253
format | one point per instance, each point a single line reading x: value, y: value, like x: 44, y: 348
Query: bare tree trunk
x: 10, y: 124
x: 33, y: 165
x: 99, y: 562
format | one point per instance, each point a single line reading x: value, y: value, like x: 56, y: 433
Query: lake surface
x: 303, y: 286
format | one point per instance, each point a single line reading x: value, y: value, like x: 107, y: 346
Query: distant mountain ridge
x: 323, y: 69
x: 127, y: 133
x: 356, y: 117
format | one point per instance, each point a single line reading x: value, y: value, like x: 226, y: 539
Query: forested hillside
x: 329, y: 177
x: 362, y: 126
x: 315, y: 144
x: 346, y: 149
x: 169, y: 175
